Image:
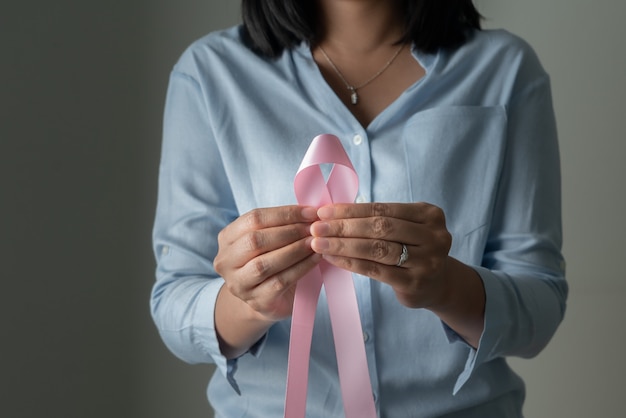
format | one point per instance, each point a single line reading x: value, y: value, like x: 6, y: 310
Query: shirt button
x: 360, y: 199
x: 366, y: 336
x: 357, y: 139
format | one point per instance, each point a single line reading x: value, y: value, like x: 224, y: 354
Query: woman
x: 454, y: 242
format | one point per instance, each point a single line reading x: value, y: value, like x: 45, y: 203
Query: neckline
x: 329, y: 98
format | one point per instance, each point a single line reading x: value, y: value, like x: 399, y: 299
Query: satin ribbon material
x: 313, y: 190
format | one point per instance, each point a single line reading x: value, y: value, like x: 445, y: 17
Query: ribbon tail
x: 354, y: 378
x: 302, y: 321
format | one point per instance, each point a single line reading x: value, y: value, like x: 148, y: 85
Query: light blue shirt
x: 475, y: 136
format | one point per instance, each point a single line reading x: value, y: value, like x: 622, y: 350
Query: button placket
x: 358, y: 140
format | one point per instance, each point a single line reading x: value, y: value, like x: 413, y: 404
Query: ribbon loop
x: 312, y: 190
x: 342, y: 185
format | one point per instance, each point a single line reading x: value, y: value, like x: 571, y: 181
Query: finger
x: 399, y: 278
x: 413, y: 287
x: 375, y: 250
x: 414, y: 212
x: 382, y: 228
x: 255, y: 243
x: 263, y: 218
x: 273, y: 298
x: 384, y: 273
x: 267, y: 265
x: 284, y: 281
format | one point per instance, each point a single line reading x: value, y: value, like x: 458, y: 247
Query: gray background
x: 82, y: 85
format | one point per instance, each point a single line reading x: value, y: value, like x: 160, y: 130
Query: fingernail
x: 320, y: 244
x: 309, y: 213
x: 320, y: 229
x: 326, y: 212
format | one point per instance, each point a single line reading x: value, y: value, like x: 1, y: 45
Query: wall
x: 81, y: 96
x: 82, y: 85
x: 71, y: 170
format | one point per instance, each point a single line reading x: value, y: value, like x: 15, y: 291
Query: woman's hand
x: 263, y: 253
x: 368, y: 239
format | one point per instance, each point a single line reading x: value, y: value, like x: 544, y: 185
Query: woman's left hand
x: 368, y: 239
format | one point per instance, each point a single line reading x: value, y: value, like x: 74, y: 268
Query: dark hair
x: 270, y: 26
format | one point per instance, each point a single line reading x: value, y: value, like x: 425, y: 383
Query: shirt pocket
x: 454, y: 157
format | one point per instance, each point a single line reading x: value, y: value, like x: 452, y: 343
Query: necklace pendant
x: 354, y: 98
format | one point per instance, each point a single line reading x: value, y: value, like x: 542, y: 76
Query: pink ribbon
x: 312, y: 190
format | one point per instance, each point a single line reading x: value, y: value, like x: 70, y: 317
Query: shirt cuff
x: 495, y: 312
x: 231, y: 364
x: 206, y: 335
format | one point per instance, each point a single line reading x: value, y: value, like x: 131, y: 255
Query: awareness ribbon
x: 312, y: 190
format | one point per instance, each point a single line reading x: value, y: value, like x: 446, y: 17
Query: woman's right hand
x: 263, y: 254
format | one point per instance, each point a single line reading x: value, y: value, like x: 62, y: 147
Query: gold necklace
x: 354, y: 97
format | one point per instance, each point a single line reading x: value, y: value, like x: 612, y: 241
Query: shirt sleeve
x: 523, y: 270
x: 194, y: 203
